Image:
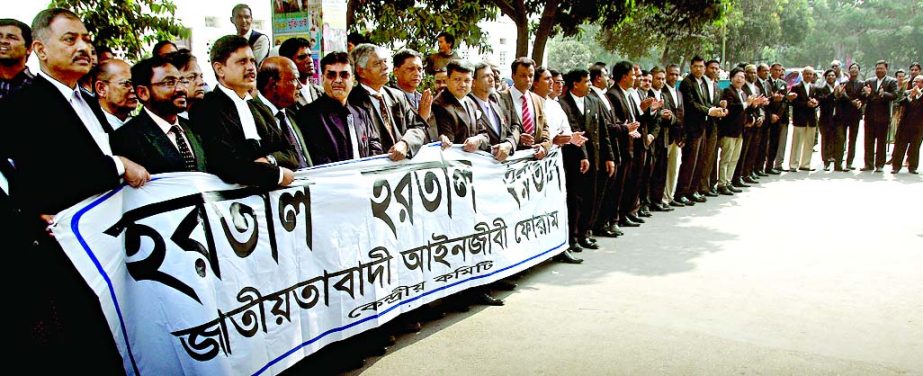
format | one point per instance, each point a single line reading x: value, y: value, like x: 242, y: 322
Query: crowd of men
x: 634, y: 141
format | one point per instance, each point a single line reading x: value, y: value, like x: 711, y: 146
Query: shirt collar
x: 576, y: 98
x: 114, y: 120
x: 161, y: 123
x: 372, y: 91
x: 598, y: 91
x: 67, y: 92
x: 272, y: 107
x: 480, y: 102
x: 248, y: 34
x: 516, y: 92
x: 233, y: 94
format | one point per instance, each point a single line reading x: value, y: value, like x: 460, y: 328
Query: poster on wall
x: 299, y: 19
x: 334, y: 25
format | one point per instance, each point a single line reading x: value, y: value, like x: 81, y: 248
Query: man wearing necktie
x: 278, y: 86
x: 454, y: 111
x: 498, y: 132
x: 910, y: 131
x: 528, y: 107
x: 877, y: 94
x: 158, y: 138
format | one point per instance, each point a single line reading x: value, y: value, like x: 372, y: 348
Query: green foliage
x: 129, y: 26
x: 416, y: 23
x: 568, y: 54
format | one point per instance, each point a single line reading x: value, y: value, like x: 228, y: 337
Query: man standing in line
x: 878, y: 93
x: 698, y: 109
x: 804, y: 114
x: 849, y: 112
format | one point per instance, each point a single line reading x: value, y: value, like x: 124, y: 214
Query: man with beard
x: 157, y: 138
x: 241, y: 147
x: 299, y: 51
x: 115, y: 91
x: 15, y: 47
x: 189, y: 68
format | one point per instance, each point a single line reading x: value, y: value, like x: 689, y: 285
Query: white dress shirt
x: 603, y: 97
x: 306, y: 92
x: 243, y: 113
x: 87, y: 117
x: 166, y: 126
x: 580, y: 102
x: 114, y: 121
x: 557, y: 119
x: 517, y: 102
x: 4, y: 184
x: 807, y: 88
x: 711, y: 89
x: 673, y: 94
x: 636, y: 97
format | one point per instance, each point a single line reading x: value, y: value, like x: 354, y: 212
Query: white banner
x: 196, y: 276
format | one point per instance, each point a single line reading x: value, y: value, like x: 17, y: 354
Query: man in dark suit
x: 764, y: 84
x: 299, y: 51
x: 627, y: 110
x: 499, y: 130
x: 804, y: 119
x: 157, y: 138
x: 849, y: 112
x: 528, y: 107
x: 240, y: 146
x: 910, y: 131
x: 401, y: 130
x: 583, y: 165
x: 278, y: 94
x: 454, y: 112
x: 878, y: 93
x: 674, y: 138
x: 53, y: 126
x: 731, y: 129
x: 743, y: 172
x: 698, y: 110
x: 778, y: 119
x: 333, y: 129
x: 607, y: 220
x: 708, y: 155
x: 651, y: 128
x: 408, y: 75
x: 660, y: 141
x: 827, y: 124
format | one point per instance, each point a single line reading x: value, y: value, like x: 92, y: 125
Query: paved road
x: 805, y: 274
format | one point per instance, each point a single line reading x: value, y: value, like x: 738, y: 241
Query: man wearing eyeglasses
x: 158, y: 138
x: 240, y: 146
x: 115, y: 92
x: 333, y: 129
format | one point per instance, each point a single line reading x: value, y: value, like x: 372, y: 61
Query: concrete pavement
x: 807, y: 273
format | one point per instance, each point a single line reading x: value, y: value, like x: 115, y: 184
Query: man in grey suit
x: 498, y: 131
x: 878, y: 93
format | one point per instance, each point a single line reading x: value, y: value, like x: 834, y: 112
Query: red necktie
x: 527, y: 124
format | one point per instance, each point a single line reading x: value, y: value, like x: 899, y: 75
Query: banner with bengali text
x: 197, y: 276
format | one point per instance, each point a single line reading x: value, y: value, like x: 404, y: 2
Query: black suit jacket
x: 878, y: 103
x: 617, y: 129
x: 326, y: 133
x: 827, y: 105
x: 407, y: 124
x: 695, y: 106
x: 738, y: 115
x: 626, y: 111
x: 781, y: 107
x: 598, y: 148
x: 846, y: 110
x: 230, y: 155
x: 913, y: 112
x: 454, y: 120
x: 142, y: 141
x: 673, y: 132
x: 45, y: 137
x: 802, y: 114
x: 510, y: 127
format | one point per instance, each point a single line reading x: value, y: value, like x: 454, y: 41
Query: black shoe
x: 645, y: 213
x: 697, y: 198
x: 740, y: 184
x: 486, y: 299
x: 894, y: 171
x: 503, y: 285
x: 567, y: 258
x: 749, y: 180
x: 711, y: 193
x: 635, y: 218
x: 913, y: 172
x: 754, y: 176
x: 725, y: 191
x: 773, y: 172
x: 605, y: 232
x: 734, y: 189
x: 625, y: 222
x: 807, y: 169
x: 866, y: 169
x: 658, y: 207
x: 585, y: 243
x: 575, y: 246
x: 676, y: 204
x: 761, y: 173
x: 615, y: 228
x: 850, y: 168
x: 879, y: 169
x: 686, y: 201
x: 838, y: 168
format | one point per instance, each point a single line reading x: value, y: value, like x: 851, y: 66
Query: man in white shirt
x: 115, y: 91
x: 527, y: 106
x: 242, y: 18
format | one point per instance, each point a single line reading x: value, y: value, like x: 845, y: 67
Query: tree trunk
x: 665, y: 56
x: 516, y: 10
x: 545, y: 25
x: 351, y: 7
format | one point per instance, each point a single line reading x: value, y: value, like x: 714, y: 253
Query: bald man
x: 278, y: 85
x: 115, y: 92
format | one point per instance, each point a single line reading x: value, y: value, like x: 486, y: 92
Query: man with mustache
x: 335, y: 130
x: 400, y: 129
x: 278, y: 87
x: 240, y: 146
x: 113, y: 86
x: 15, y: 48
x: 157, y: 138
x: 54, y: 129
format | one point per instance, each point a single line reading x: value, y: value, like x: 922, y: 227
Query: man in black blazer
x: 608, y: 218
x: 333, y: 129
x: 804, y: 120
x: 454, y: 112
x: 54, y: 128
x: 277, y: 96
x: 584, y: 165
x: 827, y: 125
x: 665, y: 121
x: 764, y: 84
x: 499, y: 130
x: 878, y: 93
x: 401, y: 130
x: 240, y: 146
x: 910, y: 131
x: 778, y: 119
x: 849, y: 111
x: 743, y: 172
x: 157, y: 138
x: 697, y: 109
